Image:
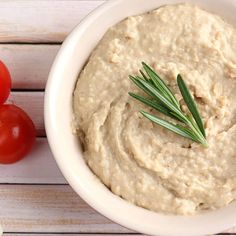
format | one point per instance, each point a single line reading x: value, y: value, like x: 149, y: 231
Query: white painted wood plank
x: 29, y: 65
x: 49, y: 209
x: 41, y: 21
x: 32, y: 103
x: 38, y: 167
x: 65, y: 234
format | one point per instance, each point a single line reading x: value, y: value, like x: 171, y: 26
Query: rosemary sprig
x: 163, y: 100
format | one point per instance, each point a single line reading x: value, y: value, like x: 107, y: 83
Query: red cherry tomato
x: 17, y: 134
x: 5, y: 83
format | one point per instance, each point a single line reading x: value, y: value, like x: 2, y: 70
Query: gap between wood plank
x: 84, y: 234
x: 30, y: 43
x: 89, y: 234
x: 27, y: 90
x: 34, y: 184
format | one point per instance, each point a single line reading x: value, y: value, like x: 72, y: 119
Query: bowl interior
x: 66, y: 148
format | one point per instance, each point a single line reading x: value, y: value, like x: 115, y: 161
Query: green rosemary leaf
x: 172, y: 127
x: 187, y: 130
x: 160, y: 84
x: 160, y: 97
x: 144, y: 76
x: 137, y: 82
x: 153, y: 104
x: 190, y: 103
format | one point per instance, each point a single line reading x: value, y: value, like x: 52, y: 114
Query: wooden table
x: 34, y: 196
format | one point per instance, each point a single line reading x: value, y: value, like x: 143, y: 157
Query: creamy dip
x: 141, y: 161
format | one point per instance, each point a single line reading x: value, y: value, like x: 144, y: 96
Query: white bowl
x: 66, y: 149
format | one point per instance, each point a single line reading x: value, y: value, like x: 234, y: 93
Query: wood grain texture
x: 29, y: 65
x: 10, y: 234
x: 28, y: 234
x: 39, y: 167
x: 49, y: 209
x: 14, y: 234
x: 32, y: 103
x: 52, y: 20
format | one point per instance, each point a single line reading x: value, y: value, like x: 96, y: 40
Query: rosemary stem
x: 198, y: 133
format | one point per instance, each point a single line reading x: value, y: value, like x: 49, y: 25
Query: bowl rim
x: 50, y: 98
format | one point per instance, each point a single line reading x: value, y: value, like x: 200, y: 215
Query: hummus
x: 138, y: 160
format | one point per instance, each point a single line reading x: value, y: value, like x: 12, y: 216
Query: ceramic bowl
x: 66, y: 148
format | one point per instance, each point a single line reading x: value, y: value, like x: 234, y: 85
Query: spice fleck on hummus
x: 138, y: 160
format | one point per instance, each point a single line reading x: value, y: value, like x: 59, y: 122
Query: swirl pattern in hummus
x: 138, y: 160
